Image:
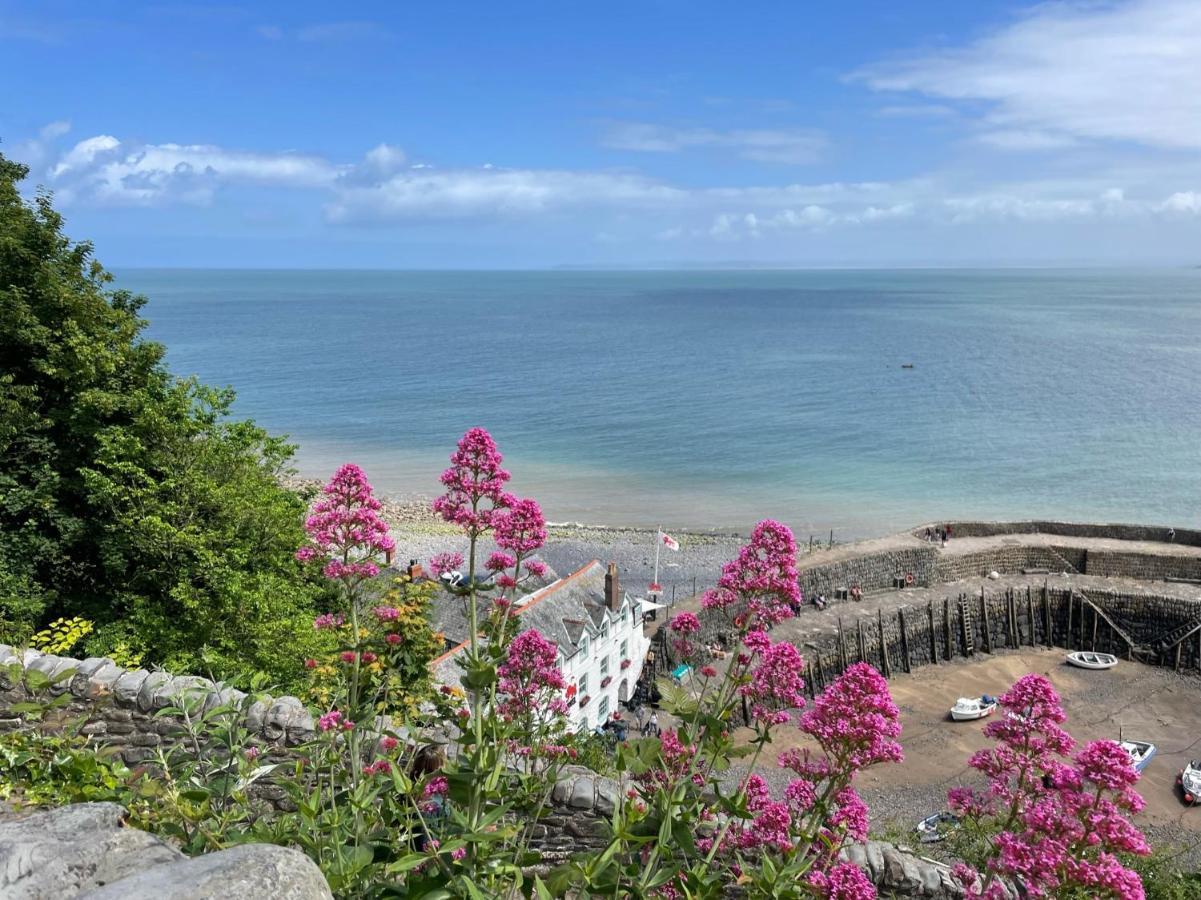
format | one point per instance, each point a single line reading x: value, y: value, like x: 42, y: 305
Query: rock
x: 126, y: 687
x: 246, y: 872
x: 583, y: 793
x: 608, y: 794
x: 63, y: 852
x: 156, y: 683
x: 101, y: 682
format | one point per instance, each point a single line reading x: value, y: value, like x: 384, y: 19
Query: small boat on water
x: 933, y: 829
x: 1085, y: 660
x: 906, y: 365
x: 967, y: 709
x: 1140, y: 752
x: 1190, y: 781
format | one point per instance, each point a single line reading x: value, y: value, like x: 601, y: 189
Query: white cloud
x: 917, y: 111
x: 1026, y: 139
x: 1096, y: 71
x: 789, y: 146
x: 1182, y: 202
x: 417, y: 193
x: 35, y: 151
x: 105, y: 170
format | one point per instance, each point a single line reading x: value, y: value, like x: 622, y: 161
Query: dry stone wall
x: 1188, y: 536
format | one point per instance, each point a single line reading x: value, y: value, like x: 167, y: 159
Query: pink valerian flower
x: 386, y: 613
x: 379, y: 767
x: 348, y: 657
x: 676, y: 758
x: 441, y: 563
x: 458, y: 853
x: 475, y: 484
x: 536, y: 567
x: 437, y: 786
x: 329, y: 720
x: 328, y: 621
x: 388, y: 743
x: 498, y: 562
x: 251, y: 753
x: 855, y: 720
x: 345, y: 528
x: 1068, y: 820
x: 759, y: 588
x: 530, y: 681
x: 850, y: 816
x: 684, y: 625
x: 842, y: 882
x: 521, y: 528
x: 776, y: 685
x: 393, y: 638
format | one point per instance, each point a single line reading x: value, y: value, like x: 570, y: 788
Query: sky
x: 650, y: 133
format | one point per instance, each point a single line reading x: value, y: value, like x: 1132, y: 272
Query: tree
x: 127, y: 495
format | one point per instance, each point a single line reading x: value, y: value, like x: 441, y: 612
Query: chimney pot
x: 612, y: 588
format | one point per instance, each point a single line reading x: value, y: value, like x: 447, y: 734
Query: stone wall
x: 119, y: 708
x: 871, y: 571
x: 1189, y: 536
x: 1149, y: 628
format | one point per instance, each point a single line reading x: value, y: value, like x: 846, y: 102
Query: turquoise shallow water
x: 715, y: 398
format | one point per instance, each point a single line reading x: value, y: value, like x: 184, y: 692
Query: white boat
x: 933, y: 829
x: 1140, y: 753
x: 968, y: 708
x: 1190, y: 781
x: 1092, y: 660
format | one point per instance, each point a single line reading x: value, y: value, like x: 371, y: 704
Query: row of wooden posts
x: 1081, y: 628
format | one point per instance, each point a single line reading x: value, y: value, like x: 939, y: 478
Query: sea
x: 844, y: 402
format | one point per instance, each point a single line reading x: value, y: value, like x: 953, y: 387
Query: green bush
x: 129, y: 496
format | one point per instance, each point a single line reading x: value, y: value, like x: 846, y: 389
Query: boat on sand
x: 1190, y: 781
x: 933, y: 829
x: 1140, y: 753
x: 1087, y: 660
x: 967, y: 709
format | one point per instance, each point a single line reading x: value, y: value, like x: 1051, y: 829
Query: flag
x: 669, y: 542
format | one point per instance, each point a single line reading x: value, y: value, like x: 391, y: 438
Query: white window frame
x: 602, y: 711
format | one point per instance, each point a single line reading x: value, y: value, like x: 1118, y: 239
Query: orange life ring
x: 908, y: 578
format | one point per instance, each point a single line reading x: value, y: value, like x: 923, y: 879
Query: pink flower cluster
x: 855, y: 719
x: 1067, y: 821
x: 345, y: 529
x: 441, y: 563
x: 474, y: 478
x: 684, y: 626
x: 333, y: 720
x: 776, y: 685
x: 759, y: 588
x: 328, y: 621
x: 521, y: 528
x: 530, y: 680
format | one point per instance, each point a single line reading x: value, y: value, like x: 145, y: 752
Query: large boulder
x: 246, y: 872
x: 63, y: 852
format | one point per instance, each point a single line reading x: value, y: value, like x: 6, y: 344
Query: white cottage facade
x: 599, y: 632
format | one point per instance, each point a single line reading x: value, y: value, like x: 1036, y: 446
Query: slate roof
x: 562, y: 611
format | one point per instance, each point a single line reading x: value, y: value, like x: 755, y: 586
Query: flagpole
x: 658, y: 542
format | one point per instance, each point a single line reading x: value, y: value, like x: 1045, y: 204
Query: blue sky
x: 650, y: 133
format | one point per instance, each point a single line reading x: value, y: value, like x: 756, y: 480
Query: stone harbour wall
x: 872, y: 571
x: 1188, y: 536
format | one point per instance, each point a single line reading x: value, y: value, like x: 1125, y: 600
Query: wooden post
x: 901, y: 627
x: 946, y: 627
x: 821, y: 672
x: 1068, y: 640
x: 842, y: 646
x: 1049, y: 636
x: 883, y: 644
x: 1179, y: 647
x: 862, y: 644
x: 1030, y: 616
x: 963, y: 626
x: 1093, y: 643
x: 984, y: 619
x: 933, y: 642
x: 1011, y: 615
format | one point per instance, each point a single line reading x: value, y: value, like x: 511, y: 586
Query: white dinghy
x: 933, y: 829
x: 1085, y: 660
x: 967, y: 709
x: 1140, y: 753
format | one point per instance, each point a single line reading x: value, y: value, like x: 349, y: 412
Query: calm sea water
x: 716, y: 398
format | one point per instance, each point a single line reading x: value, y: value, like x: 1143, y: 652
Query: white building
x: 599, y: 632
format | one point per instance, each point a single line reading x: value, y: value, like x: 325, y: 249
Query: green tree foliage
x: 127, y: 495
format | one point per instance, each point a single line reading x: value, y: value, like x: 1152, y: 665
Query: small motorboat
x: 968, y: 708
x: 1085, y: 660
x: 933, y: 829
x: 906, y: 365
x: 1140, y: 753
x: 1190, y: 782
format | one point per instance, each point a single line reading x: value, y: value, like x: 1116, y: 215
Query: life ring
x: 908, y: 579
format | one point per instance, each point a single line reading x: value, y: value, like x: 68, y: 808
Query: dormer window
x: 584, y: 644
x: 604, y: 631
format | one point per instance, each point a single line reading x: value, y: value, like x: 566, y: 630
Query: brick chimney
x: 389, y: 556
x: 612, y: 588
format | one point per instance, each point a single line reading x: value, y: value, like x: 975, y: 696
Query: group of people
x: 940, y: 533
